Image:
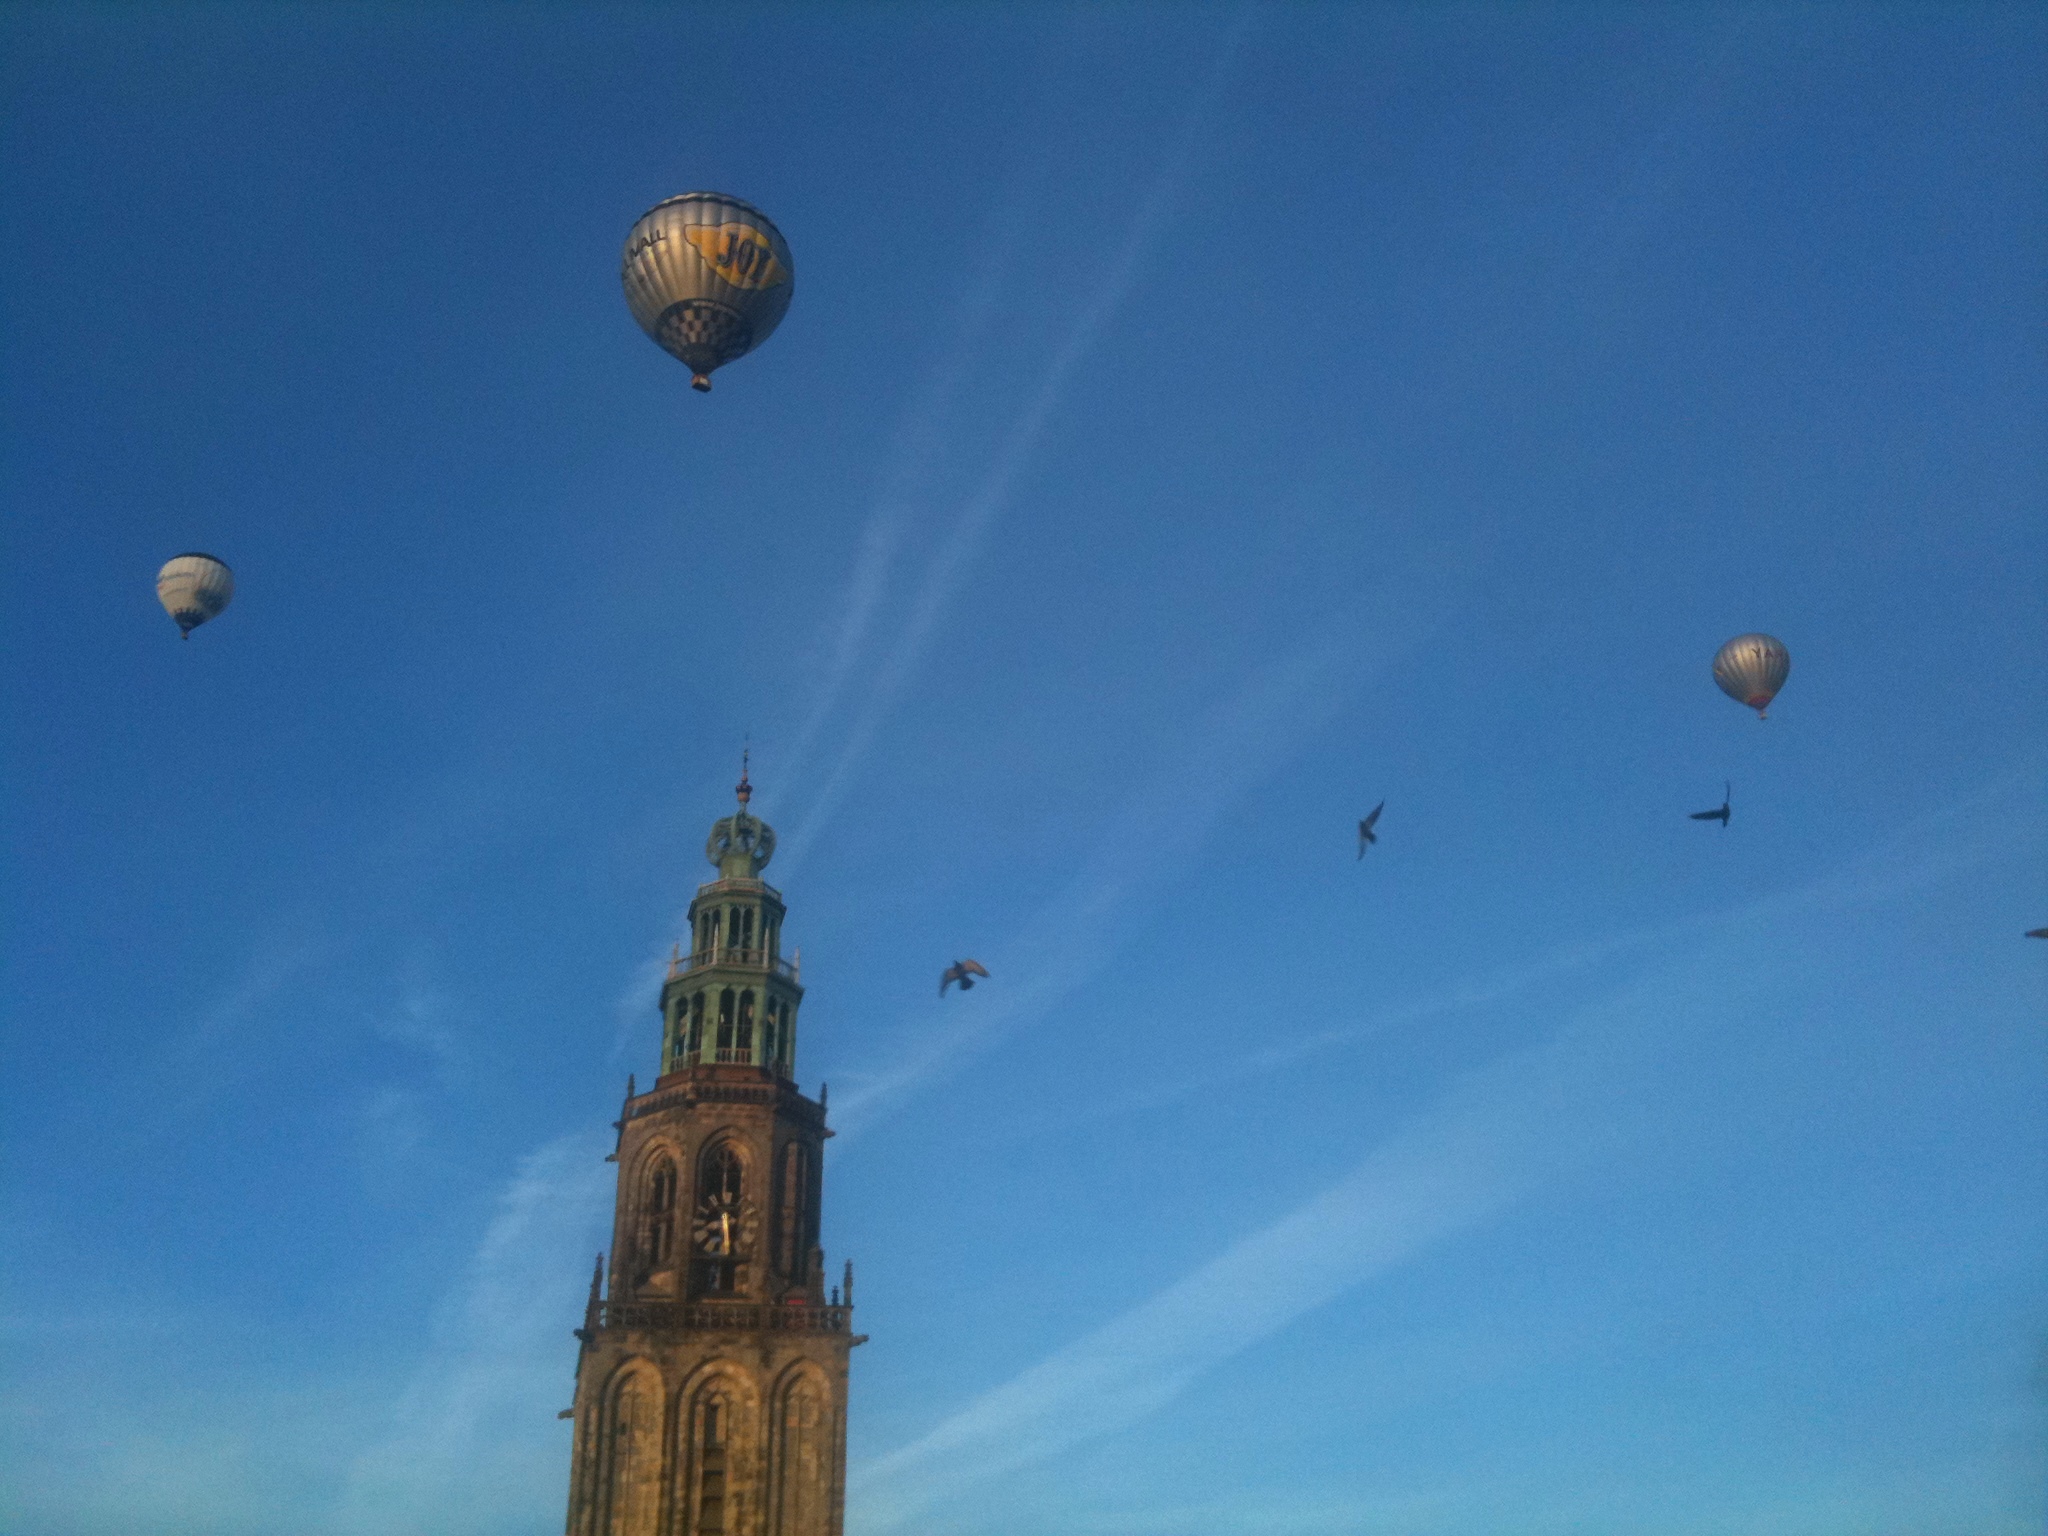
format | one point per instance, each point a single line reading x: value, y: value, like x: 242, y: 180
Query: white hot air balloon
x: 708, y: 277
x: 1751, y: 669
x: 194, y: 588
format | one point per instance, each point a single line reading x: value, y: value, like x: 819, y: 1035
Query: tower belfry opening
x: 711, y: 1383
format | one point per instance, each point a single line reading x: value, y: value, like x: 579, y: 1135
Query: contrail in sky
x: 1944, y: 847
x: 1516, y: 1123
x: 1273, y: 712
x: 1525, y: 1119
x: 918, y: 443
x: 992, y: 496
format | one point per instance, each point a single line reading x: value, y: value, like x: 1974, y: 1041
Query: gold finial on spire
x: 743, y: 789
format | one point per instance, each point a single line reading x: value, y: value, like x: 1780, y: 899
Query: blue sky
x: 1192, y: 426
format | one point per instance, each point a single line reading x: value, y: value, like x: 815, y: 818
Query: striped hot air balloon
x: 708, y: 277
x: 1751, y: 669
x: 194, y: 588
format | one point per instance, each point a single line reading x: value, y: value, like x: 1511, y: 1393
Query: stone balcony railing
x: 783, y: 1094
x: 746, y: 959
x: 722, y: 1317
x: 738, y: 886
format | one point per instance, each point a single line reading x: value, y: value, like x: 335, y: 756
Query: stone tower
x: 711, y: 1384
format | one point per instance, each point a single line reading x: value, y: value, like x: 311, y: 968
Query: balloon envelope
x: 194, y: 588
x: 708, y: 277
x: 1751, y: 669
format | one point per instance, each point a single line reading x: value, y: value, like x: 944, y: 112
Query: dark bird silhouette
x: 2037, y: 933
x: 962, y: 971
x: 1366, y: 835
x: 1719, y: 814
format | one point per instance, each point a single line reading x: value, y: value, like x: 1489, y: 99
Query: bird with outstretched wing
x: 1720, y: 812
x: 1366, y: 835
x: 962, y: 971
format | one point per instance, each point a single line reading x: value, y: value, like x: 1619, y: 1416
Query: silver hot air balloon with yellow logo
x: 708, y: 277
x: 1751, y: 669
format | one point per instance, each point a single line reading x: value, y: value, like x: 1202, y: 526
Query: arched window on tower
x: 747, y: 929
x: 707, y: 932
x: 629, y: 1445
x: 743, y: 1038
x: 721, y: 1233
x: 725, y: 1005
x: 658, y: 1231
x: 771, y: 1034
x: 714, y: 1417
x: 724, y: 1174
x: 800, y: 1460
x: 792, y: 1213
x: 732, y: 927
x: 696, y: 1026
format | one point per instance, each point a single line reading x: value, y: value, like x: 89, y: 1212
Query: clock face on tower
x: 721, y: 1228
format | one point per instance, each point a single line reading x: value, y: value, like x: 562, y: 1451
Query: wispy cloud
x: 153, y: 1418
x: 474, y: 1445
x: 394, y: 1121
x: 1942, y: 842
x: 1522, y: 1120
x: 265, y: 978
x: 424, y: 1021
x: 1462, y: 996
x: 1517, y: 1122
x: 1273, y: 713
x: 640, y: 997
x: 916, y: 449
x: 997, y: 484
x: 196, y: 1065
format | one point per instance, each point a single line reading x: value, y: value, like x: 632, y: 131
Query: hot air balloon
x: 194, y: 588
x: 1751, y: 669
x: 708, y: 277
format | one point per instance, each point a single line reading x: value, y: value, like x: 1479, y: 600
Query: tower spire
x: 743, y: 789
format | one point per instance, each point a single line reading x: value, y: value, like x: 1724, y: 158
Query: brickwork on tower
x: 711, y: 1384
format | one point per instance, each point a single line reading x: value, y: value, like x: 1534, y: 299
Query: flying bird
x: 962, y: 971
x: 1720, y: 813
x: 2037, y: 933
x: 1366, y: 835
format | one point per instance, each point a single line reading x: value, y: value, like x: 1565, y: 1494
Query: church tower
x: 711, y: 1384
